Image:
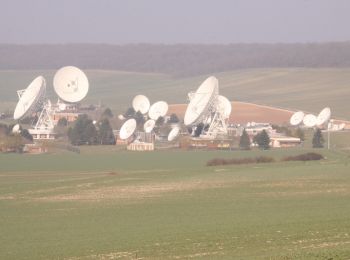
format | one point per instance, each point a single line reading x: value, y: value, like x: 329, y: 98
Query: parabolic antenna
x: 324, y: 116
x: 149, y: 125
x: 201, y: 101
x: 224, y: 106
x: 127, y: 129
x: 310, y: 120
x: 31, y: 98
x: 16, y: 129
x: 141, y: 103
x: 173, y: 133
x: 71, y: 84
x: 297, y: 118
x: 158, y: 109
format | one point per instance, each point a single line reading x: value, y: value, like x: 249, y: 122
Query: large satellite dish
x: 158, y: 109
x: 149, y: 125
x: 310, y: 120
x: 324, y: 116
x: 127, y: 129
x: 202, y: 100
x: 173, y: 134
x: 141, y: 103
x: 297, y: 118
x: 30, y: 99
x: 71, y: 84
x: 224, y: 106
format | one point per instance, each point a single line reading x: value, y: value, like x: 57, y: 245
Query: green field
x: 305, y: 89
x: 109, y: 204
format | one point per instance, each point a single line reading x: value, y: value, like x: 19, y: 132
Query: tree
x: 26, y: 135
x: 140, y: 120
x: 263, y: 140
x: 83, y: 131
x: 173, y: 119
x: 244, y: 142
x: 160, y: 121
x: 107, y: 113
x: 198, y: 130
x: 62, y: 122
x: 300, y: 134
x: 317, y: 140
x: 129, y: 113
x: 105, y: 132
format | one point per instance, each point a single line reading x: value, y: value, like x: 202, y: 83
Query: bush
x: 304, y: 157
x: 239, y: 161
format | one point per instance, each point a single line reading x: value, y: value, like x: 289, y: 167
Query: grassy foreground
x: 165, y: 205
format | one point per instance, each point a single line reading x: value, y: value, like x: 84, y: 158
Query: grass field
x: 108, y: 204
x: 306, y: 89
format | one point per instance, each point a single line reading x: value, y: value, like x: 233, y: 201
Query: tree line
x: 177, y: 59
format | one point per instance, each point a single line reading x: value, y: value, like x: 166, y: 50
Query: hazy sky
x: 173, y: 21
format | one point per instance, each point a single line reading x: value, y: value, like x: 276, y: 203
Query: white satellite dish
x: 71, y: 84
x: 30, y: 99
x: 310, y: 120
x: 121, y: 117
x: 158, y: 109
x: 127, y: 129
x: 324, y: 116
x: 173, y: 134
x: 16, y: 129
x: 297, y: 118
x: 141, y: 103
x: 149, y: 125
x: 202, y: 101
x: 224, y: 106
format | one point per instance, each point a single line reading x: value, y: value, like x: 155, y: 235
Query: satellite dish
x: 202, y: 101
x: 310, y: 120
x: 141, y: 103
x: 127, y: 129
x: 224, y: 106
x: 71, y: 84
x: 158, y: 109
x: 173, y: 133
x: 324, y: 116
x: 30, y: 101
x: 342, y: 126
x: 297, y: 118
x: 149, y: 125
x: 16, y: 129
x: 121, y: 117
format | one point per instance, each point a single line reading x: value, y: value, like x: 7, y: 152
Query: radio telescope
x: 324, y: 116
x: 297, y: 118
x: 30, y: 99
x: 173, y: 134
x: 127, y: 129
x: 158, y: 109
x: 141, y: 103
x: 310, y: 120
x: 207, y: 107
x: 71, y: 84
x: 149, y: 125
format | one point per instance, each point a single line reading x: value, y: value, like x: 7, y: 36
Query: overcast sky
x: 173, y: 21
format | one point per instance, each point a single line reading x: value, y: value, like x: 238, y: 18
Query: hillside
x: 293, y: 88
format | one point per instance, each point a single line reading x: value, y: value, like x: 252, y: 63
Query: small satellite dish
x: 224, y: 106
x: 158, y: 109
x: 71, y: 84
x: 173, y: 134
x: 16, y: 129
x: 310, y: 120
x: 94, y: 122
x: 324, y: 116
x: 149, y: 125
x: 127, y: 129
x: 202, y: 101
x: 141, y: 103
x: 31, y: 98
x: 297, y: 118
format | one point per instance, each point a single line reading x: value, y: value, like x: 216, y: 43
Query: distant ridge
x: 178, y: 60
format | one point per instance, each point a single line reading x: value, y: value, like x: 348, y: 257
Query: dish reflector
x: 158, y: 109
x: 224, y: 106
x: 297, y: 118
x: 71, y: 84
x: 310, y: 120
x: 173, y: 133
x: 30, y: 100
x: 149, y: 125
x: 141, y: 103
x: 323, y: 116
x: 127, y: 129
x: 201, y: 101
x: 16, y: 128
